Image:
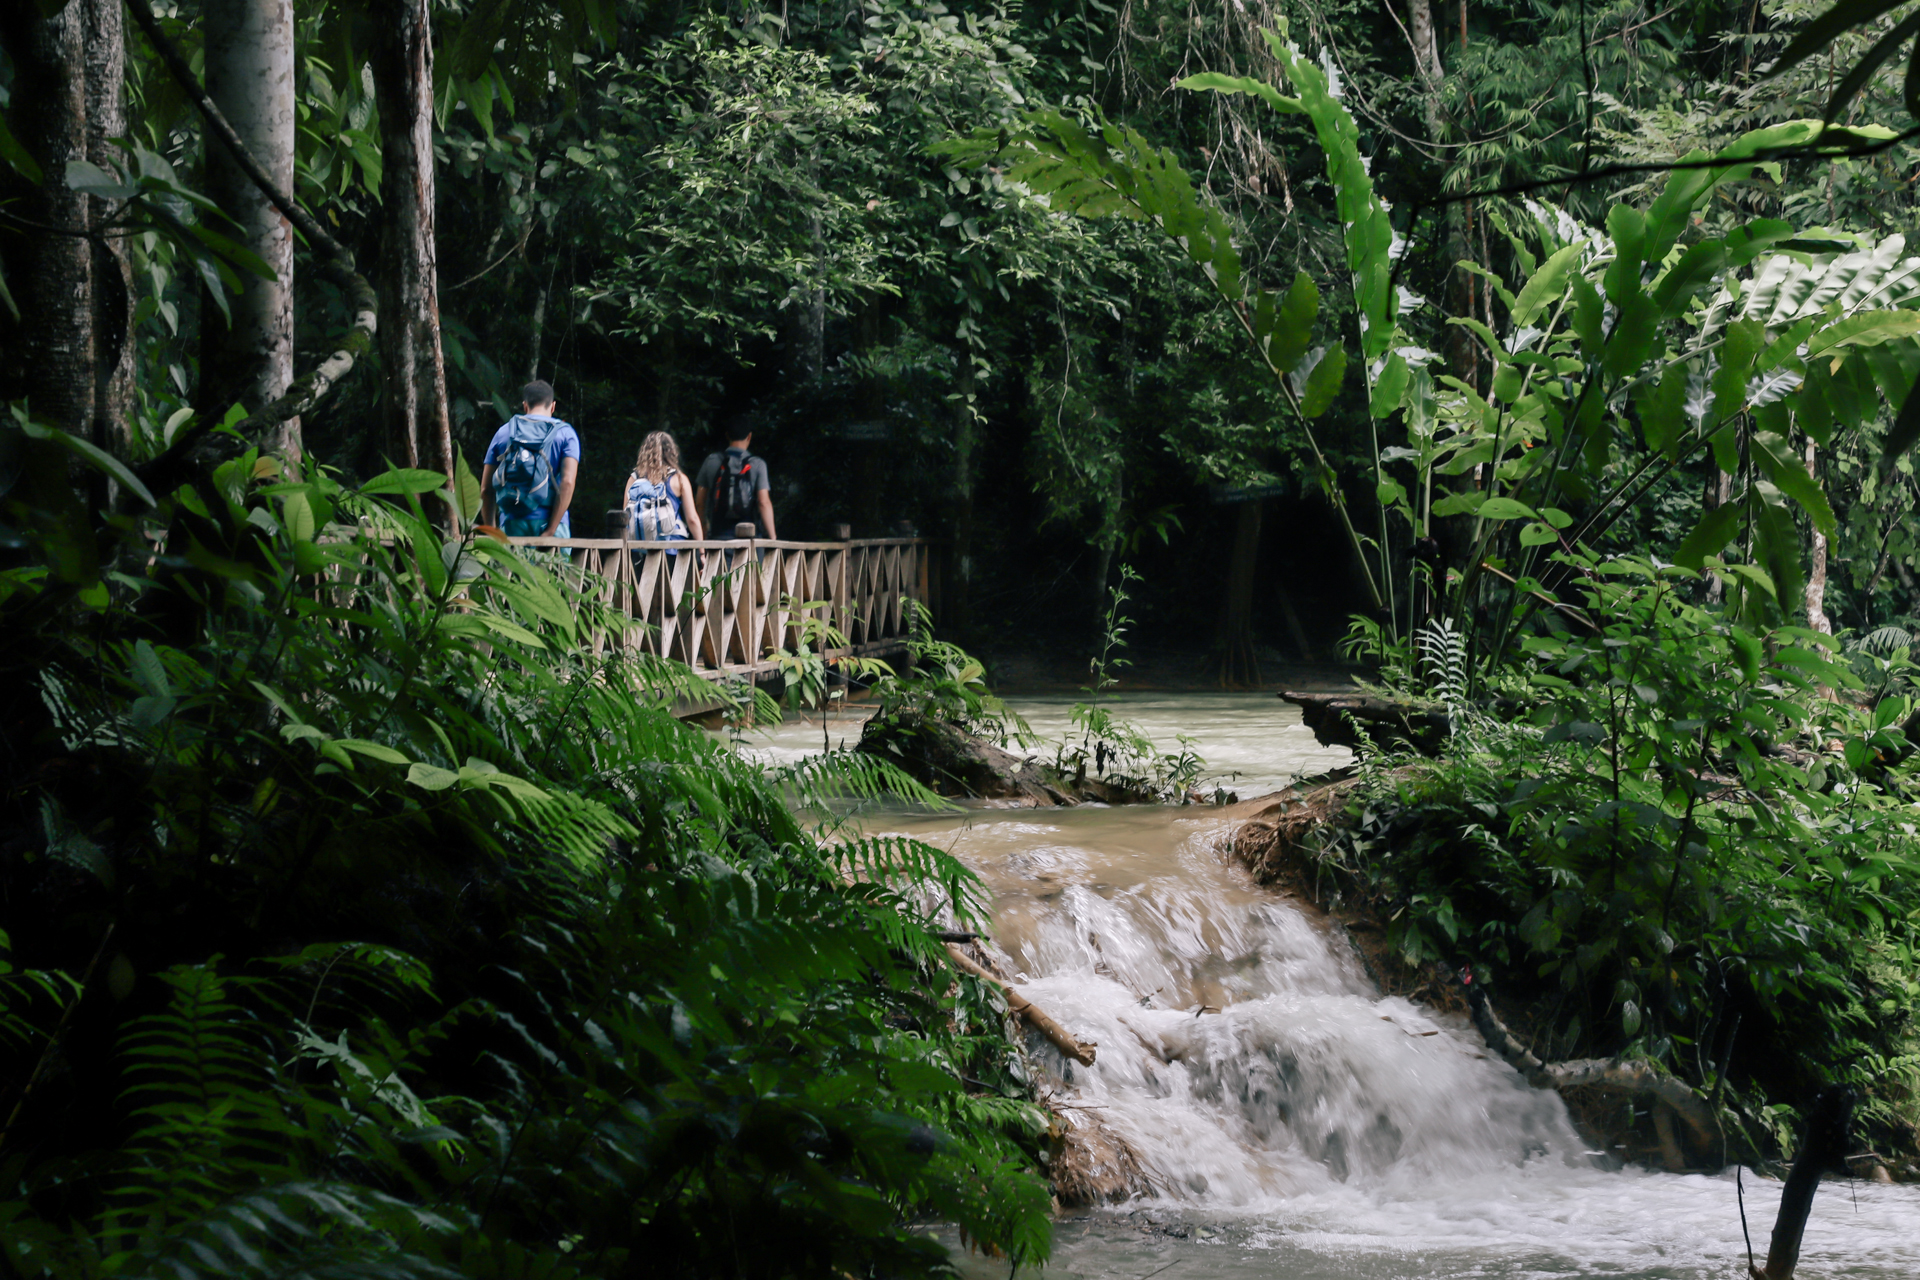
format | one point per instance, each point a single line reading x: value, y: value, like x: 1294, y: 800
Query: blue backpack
x: 523, y: 478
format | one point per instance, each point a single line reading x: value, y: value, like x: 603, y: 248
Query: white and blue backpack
x: 652, y: 514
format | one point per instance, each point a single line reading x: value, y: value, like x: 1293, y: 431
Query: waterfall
x: 1275, y: 1115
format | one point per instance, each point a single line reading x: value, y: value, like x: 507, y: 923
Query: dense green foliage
x: 359, y: 923
x: 1681, y: 839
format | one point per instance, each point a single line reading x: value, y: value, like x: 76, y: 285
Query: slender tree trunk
x: 1719, y: 493
x: 1425, y: 37
x: 48, y: 354
x: 963, y: 442
x: 112, y: 283
x: 249, y: 76
x: 1238, y: 665
x: 539, y: 333
x: 419, y: 431
x: 1817, y: 565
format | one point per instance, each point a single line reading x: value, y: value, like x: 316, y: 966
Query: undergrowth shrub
x: 1678, y: 840
x: 356, y: 920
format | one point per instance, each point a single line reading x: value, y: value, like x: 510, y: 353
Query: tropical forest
x: 974, y: 638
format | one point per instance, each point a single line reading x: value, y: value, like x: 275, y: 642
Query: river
x: 1291, y: 1122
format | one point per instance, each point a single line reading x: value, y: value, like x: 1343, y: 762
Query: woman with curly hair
x: 660, y: 505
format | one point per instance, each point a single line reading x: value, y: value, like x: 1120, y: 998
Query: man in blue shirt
x: 530, y: 470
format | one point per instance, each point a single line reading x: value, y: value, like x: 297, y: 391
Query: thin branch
x: 1812, y: 150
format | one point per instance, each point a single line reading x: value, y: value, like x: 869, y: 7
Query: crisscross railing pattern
x: 723, y: 607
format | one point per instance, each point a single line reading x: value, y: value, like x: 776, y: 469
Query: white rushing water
x: 1290, y: 1121
x: 1295, y: 1124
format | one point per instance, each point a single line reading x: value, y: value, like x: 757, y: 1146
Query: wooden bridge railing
x: 723, y: 607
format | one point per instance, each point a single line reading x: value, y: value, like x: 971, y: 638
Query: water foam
x: 1293, y: 1122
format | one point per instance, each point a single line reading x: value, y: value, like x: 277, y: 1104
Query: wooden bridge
x: 723, y: 608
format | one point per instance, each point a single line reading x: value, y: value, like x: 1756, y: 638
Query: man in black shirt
x: 732, y: 485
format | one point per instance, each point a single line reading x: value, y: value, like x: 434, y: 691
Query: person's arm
x: 764, y: 502
x: 486, y: 496
x: 563, y: 494
x: 695, y: 525
x: 700, y: 504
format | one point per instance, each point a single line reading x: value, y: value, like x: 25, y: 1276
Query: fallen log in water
x: 1081, y: 1053
x: 1333, y: 717
x: 1611, y: 1074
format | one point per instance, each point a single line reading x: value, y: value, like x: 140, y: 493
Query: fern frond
x: 816, y: 782
x: 896, y: 861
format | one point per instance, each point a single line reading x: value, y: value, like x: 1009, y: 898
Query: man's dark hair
x: 738, y: 426
x: 537, y: 392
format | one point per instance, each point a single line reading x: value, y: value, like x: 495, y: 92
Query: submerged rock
x: 952, y: 762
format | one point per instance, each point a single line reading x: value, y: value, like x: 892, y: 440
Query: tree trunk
x: 1462, y: 356
x: 49, y: 357
x: 419, y: 432
x: 1822, y: 1147
x: 963, y: 442
x: 1238, y: 665
x: 249, y: 76
x: 1817, y: 565
x: 112, y: 282
x: 1719, y: 493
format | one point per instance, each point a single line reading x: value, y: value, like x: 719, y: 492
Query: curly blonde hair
x: 658, y: 455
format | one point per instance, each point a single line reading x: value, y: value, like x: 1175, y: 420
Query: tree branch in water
x: 1080, y: 1052
x: 1600, y: 1073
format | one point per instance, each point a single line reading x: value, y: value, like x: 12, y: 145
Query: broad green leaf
x: 1546, y: 285
x: 296, y: 516
x: 371, y: 750
x: 469, y: 490
x: 1391, y: 386
x: 1633, y: 335
x: 1589, y: 317
x: 1756, y: 576
x: 1698, y: 267
x: 1776, y: 544
x: 17, y: 156
x: 1463, y: 503
x: 1628, y: 228
x: 404, y: 480
x: 1662, y: 407
x: 431, y: 777
x: 1506, y: 509
x: 1293, y: 322
x: 1747, y: 652
x: 91, y: 453
x: 1785, y: 468
x: 89, y: 179
x: 148, y: 672
x: 1906, y: 427
x: 1323, y: 384
x: 1744, y: 244
x: 1745, y: 339
x: 1709, y: 537
x: 1538, y: 533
